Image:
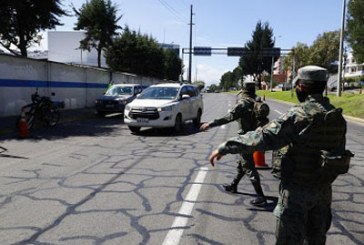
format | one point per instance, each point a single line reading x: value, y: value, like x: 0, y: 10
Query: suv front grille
x: 150, y: 113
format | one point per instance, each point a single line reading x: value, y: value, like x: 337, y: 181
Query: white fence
x: 77, y: 86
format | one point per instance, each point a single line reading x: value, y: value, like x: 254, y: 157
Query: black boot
x: 260, y: 200
x: 231, y: 188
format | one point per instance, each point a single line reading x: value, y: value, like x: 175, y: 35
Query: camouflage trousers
x: 246, y: 166
x: 303, y: 214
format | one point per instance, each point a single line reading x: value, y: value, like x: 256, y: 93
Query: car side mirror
x: 185, y: 96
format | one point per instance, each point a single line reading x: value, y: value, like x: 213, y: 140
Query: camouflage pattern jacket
x: 299, y: 133
x: 242, y: 113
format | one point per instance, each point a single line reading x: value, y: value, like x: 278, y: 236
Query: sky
x: 220, y: 24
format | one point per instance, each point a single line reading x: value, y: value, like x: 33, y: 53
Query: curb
x: 348, y: 118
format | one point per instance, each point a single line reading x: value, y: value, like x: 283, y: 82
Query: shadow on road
x: 188, y: 129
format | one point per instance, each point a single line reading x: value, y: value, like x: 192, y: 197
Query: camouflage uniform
x: 243, y: 114
x: 304, y: 208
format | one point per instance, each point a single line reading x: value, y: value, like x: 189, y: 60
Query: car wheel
x: 197, y: 120
x: 134, y: 129
x: 178, y: 124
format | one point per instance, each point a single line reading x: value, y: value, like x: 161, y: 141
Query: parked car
x: 166, y: 105
x: 116, y: 97
x: 283, y: 87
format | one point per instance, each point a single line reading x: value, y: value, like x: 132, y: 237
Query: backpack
x: 260, y: 112
x: 335, y: 161
x: 334, y: 158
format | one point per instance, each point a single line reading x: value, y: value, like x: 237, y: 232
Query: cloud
x: 208, y: 74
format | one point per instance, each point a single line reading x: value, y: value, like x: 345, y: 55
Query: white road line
x: 280, y: 113
x: 174, y: 235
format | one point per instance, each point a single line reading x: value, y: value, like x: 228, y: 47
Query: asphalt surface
x: 9, y: 128
x: 90, y: 181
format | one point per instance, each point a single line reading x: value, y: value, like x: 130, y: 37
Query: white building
x: 64, y: 47
x: 352, y: 69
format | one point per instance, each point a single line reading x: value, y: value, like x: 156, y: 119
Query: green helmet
x: 249, y: 86
x: 311, y: 75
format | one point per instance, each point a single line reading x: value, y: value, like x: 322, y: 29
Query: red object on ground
x: 23, y: 126
x: 259, y: 159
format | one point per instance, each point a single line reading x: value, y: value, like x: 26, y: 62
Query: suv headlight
x: 166, y: 108
x: 122, y: 101
x: 128, y: 107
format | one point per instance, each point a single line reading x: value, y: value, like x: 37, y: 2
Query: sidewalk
x: 8, y: 124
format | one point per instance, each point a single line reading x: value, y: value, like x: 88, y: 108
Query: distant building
x: 279, y: 74
x: 351, y: 68
x: 38, y: 54
x: 64, y: 47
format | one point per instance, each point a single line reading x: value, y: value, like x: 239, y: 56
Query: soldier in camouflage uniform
x: 242, y: 113
x: 304, y: 208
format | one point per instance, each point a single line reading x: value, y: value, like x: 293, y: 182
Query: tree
x: 324, y: 50
x: 302, y: 56
x: 172, y: 64
x: 214, y: 88
x: 135, y: 53
x: 21, y: 21
x: 231, y: 79
x: 254, y: 63
x: 227, y: 81
x: 199, y: 84
x: 355, y: 28
x: 98, y: 18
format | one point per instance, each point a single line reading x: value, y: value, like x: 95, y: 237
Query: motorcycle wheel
x: 53, y: 118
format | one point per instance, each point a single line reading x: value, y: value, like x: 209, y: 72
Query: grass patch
x: 350, y: 103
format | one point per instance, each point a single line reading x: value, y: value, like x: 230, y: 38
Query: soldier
x: 304, y: 208
x: 243, y: 114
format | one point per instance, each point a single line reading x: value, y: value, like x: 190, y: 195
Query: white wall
x: 77, y: 86
x: 63, y: 46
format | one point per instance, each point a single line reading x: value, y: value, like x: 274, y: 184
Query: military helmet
x: 311, y: 74
x: 249, y: 85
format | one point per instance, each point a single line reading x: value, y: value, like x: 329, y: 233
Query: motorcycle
x: 42, y: 109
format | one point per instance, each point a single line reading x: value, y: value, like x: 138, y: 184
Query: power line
x: 173, y: 11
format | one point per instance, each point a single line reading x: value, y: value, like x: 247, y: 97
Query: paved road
x: 92, y: 182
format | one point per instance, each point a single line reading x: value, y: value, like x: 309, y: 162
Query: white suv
x: 165, y: 105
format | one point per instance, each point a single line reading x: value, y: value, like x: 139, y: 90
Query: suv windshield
x: 119, y: 91
x: 163, y: 93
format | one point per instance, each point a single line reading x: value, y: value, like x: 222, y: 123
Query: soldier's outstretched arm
x: 232, y: 115
x: 215, y: 155
x: 272, y: 136
x: 204, y: 127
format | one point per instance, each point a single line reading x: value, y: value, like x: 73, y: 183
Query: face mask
x: 301, y: 95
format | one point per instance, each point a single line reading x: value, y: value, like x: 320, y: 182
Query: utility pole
x: 190, y: 53
x: 271, y: 74
x: 293, y: 70
x: 339, y: 73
